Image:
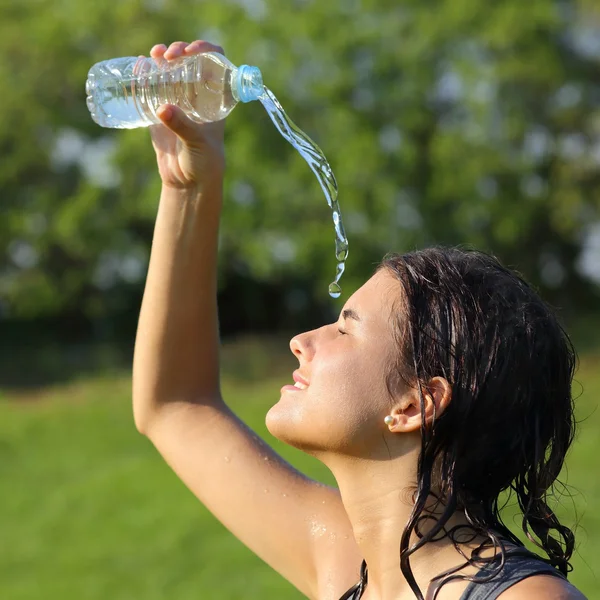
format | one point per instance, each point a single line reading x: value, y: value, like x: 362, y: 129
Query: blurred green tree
x: 455, y: 121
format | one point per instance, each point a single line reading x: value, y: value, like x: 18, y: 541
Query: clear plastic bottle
x: 125, y: 93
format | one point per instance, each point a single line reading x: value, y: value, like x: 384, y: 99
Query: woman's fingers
x: 178, y: 49
x: 170, y: 115
x: 202, y: 46
x: 175, y: 50
x: 158, y: 50
x: 157, y: 53
x: 179, y: 123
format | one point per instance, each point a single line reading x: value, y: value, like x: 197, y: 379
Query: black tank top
x: 516, y: 568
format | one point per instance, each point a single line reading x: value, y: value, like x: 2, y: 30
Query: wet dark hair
x: 510, y: 420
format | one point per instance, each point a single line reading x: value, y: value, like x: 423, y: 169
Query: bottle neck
x: 248, y: 83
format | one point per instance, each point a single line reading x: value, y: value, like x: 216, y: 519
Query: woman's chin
x: 286, y: 423
x: 278, y: 421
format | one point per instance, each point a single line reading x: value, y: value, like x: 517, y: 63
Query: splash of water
x: 318, y: 164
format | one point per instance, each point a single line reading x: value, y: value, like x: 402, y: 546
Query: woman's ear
x: 437, y: 393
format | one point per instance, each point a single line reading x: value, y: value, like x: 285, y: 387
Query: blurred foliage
x: 455, y: 121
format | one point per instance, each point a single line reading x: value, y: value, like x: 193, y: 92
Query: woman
x: 444, y: 382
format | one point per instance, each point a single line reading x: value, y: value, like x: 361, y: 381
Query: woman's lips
x: 299, y: 379
x: 300, y: 385
x: 290, y: 388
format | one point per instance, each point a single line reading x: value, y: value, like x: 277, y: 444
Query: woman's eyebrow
x: 350, y: 314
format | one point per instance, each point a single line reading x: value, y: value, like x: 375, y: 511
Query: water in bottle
x: 125, y: 93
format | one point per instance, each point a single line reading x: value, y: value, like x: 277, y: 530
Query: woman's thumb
x: 177, y: 121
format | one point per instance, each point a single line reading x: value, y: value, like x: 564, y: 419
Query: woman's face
x: 345, y: 366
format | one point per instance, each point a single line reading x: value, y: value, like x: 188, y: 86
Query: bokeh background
x: 446, y: 122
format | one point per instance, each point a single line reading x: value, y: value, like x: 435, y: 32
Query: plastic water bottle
x: 125, y: 93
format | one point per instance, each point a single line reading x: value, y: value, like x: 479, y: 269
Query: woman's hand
x: 190, y: 155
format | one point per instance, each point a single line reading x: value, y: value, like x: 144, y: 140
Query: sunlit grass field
x: 88, y: 510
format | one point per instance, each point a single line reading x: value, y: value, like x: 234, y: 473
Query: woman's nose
x: 301, y: 346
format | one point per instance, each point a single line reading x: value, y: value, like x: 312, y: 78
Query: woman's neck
x: 379, y: 502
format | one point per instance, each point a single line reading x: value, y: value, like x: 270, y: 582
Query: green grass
x: 88, y: 510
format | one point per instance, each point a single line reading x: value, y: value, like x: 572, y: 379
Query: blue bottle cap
x: 249, y: 83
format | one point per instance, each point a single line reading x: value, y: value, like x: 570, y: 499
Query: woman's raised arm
x: 177, y: 402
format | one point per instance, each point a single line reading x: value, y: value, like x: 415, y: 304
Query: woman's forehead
x: 374, y: 301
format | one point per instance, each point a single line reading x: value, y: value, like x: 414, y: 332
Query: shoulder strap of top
x: 516, y: 568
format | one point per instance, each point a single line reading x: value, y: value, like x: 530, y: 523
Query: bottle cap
x: 249, y: 83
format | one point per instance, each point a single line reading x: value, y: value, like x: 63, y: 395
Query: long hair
x: 510, y: 422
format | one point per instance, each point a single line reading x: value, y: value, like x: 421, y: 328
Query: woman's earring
x: 388, y: 420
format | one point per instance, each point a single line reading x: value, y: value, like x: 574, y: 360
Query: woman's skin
x: 313, y: 535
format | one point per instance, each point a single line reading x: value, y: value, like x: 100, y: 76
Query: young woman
x: 444, y: 382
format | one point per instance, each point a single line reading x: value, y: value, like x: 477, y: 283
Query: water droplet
x: 342, y: 255
x: 266, y: 490
x: 227, y: 459
x: 266, y: 458
x: 324, y: 501
x: 317, y: 529
x: 284, y: 495
x: 335, y: 291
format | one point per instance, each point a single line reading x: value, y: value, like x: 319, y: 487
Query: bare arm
x: 296, y: 525
x: 177, y: 346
